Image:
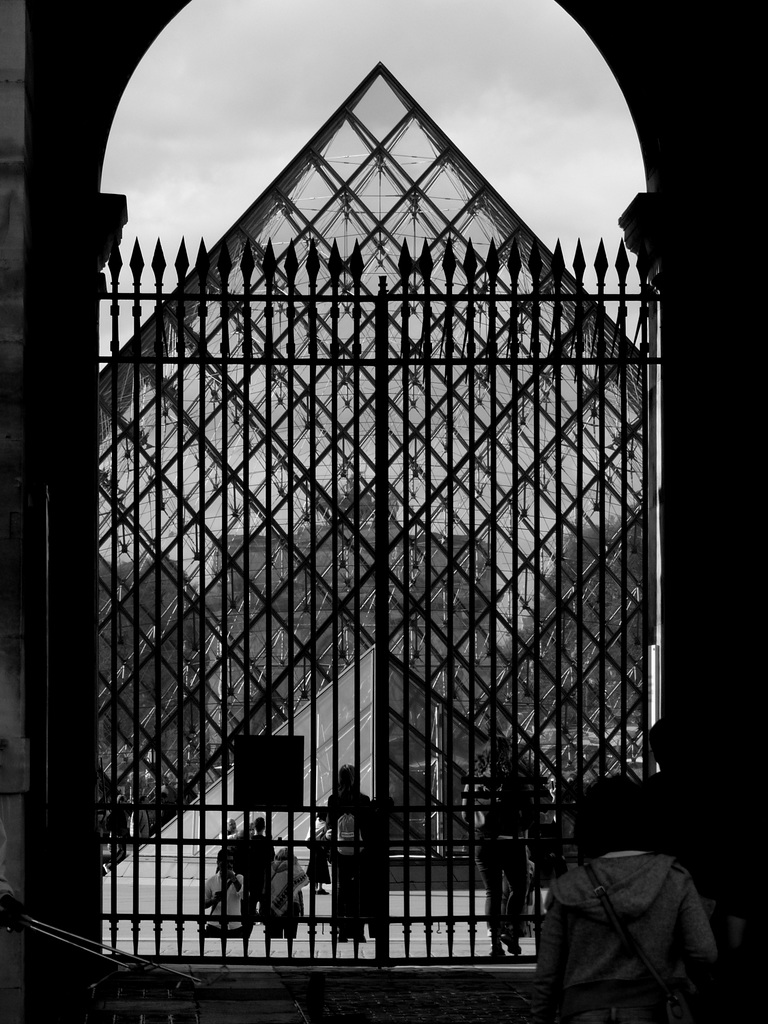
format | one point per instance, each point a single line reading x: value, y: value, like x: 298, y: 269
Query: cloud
x: 233, y: 89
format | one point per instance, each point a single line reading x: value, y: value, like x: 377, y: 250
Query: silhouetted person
x: 222, y: 898
x: 288, y: 878
x: 349, y: 817
x: 545, y: 844
x: 117, y: 825
x: 168, y: 801
x: 259, y: 855
x: 139, y: 820
x: 584, y: 969
x: 687, y: 815
x: 499, y: 810
x: 318, y: 870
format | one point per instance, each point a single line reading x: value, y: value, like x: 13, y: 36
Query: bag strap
x: 629, y: 943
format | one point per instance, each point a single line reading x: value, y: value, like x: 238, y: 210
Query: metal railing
x: 391, y: 518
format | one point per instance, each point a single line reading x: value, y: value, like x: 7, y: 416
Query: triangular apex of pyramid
x: 379, y: 173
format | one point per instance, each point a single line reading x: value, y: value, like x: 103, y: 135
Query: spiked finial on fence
x: 182, y: 263
x: 405, y: 263
x: 202, y: 265
x: 136, y: 264
x: 622, y: 265
x: 558, y: 265
x: 269, y: 264
x: 356, y: 264
x: 247, y: 265
x: 335, y: 264
x: 470, y: 263
x: 601, y: 265
x: 313, y: 264
x: 579, y: 264
x: 449, y: 263
x: 291, y: 265
x: 425, y: 262
x: 492, y: 265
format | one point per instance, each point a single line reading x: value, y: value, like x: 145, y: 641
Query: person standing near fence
x: 117, y: 824
x: 318, y: 870
x: 260, y: 854
x: 349, y: 813
x: 139, y: 820
x: 498, y: 810
x: 223, y: 898
x: 288, y: 878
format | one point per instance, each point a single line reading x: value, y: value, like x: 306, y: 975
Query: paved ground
x: 294, y: 995
x: 407, y: 995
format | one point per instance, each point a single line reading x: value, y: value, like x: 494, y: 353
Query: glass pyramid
x: 238, y: 468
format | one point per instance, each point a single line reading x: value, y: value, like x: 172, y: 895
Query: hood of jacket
x: 632, y: 883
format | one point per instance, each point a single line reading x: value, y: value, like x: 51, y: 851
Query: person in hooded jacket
x: 583, y: 969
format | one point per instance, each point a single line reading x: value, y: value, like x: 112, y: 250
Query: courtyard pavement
x: 297, y: 995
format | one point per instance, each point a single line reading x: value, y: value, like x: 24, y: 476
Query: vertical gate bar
x: 247, y: 267
x: 581, y: 497
x: 537, y: 483
x: 564, y: 673
x: 648, y: 363
x: 381, y: 670
x: 181, y: 669
x: 291, y: 552
x: 601, y: 379
x: 288, y: 361
x: 558, y: 315
x: 620, y: 355
x: 406, y: 625
x: 443, y: 761
x: 452, y: 379
x: 494, y: 427
x: 270, y: 702
x: 434, y: 802
x: 111, y: 430
x: 514, y: 370
x: 310, y: 583
x: 246, y: 264
x: 471, y: 527
x: 157, y: 555
x: 226, y: 686
x: 357, y: 497
x: 200, y: 544
x: 489, y: 720
x: 333, y: 569
x: 452, y: 681
x: 136, y: 266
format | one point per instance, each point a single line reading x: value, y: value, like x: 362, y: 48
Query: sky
x: 232, y: 90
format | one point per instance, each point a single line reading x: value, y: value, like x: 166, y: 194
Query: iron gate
x: 393, y: 521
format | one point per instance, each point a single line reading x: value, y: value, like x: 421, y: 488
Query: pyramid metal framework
x: 243, y: 469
